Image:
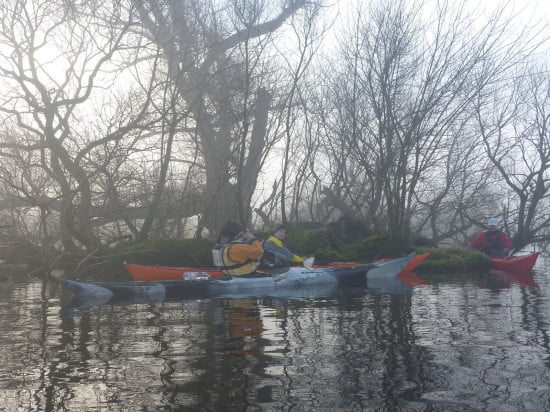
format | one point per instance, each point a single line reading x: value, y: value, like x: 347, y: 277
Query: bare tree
x: 52, y: 59
x: 296, y: 154
x: 514, y: 126
x: 23, y: 185
x: 402, y: 100
x: 201, y: 42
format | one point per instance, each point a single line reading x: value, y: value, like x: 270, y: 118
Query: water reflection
x: 401, y: 285
x: 425, y: 342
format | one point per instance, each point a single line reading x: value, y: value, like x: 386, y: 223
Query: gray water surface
x: 449, y: 343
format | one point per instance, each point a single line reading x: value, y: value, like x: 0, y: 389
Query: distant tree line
x: 165, y: 118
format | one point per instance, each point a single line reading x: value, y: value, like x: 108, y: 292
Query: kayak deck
x: 155, y: 272
x: 262, y: 284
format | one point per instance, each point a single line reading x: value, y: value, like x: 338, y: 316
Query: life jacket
x: 230, y: 268
x: 494, y: 247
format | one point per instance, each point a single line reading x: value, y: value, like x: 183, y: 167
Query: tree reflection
x: 428, y: 349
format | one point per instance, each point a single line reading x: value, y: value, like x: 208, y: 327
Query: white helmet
x: 493, y: 222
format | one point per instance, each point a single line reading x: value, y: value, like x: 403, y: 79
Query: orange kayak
x: 155, y: 272
x: 416, y: 261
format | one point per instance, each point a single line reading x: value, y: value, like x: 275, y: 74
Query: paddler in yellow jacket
x: 240, y: 250
x: 275, y: 252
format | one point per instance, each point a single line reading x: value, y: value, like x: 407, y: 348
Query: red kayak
x: 411, y: 279
x: 516, y: 263
x: 521, y: 277
x: 153, y: 273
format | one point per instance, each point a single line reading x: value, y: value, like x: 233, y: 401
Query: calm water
x: 454, y: 343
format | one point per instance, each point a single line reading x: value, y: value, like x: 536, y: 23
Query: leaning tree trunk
x: 251, y: 169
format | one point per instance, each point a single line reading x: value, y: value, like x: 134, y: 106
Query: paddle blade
x: 308, y: 263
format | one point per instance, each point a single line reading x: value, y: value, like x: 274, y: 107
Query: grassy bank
x: 319, y: 242
x: 315, y: 242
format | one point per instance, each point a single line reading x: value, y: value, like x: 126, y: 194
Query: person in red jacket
x: 493, y: 242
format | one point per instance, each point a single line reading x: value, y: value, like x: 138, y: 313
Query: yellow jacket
x: 278, y: 249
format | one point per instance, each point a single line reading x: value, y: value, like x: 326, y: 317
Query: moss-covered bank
x: 312, y: 241
x: 453, y: 260
x: 315, y: 242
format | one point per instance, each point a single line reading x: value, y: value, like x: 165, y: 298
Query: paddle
x: 308, y: 263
